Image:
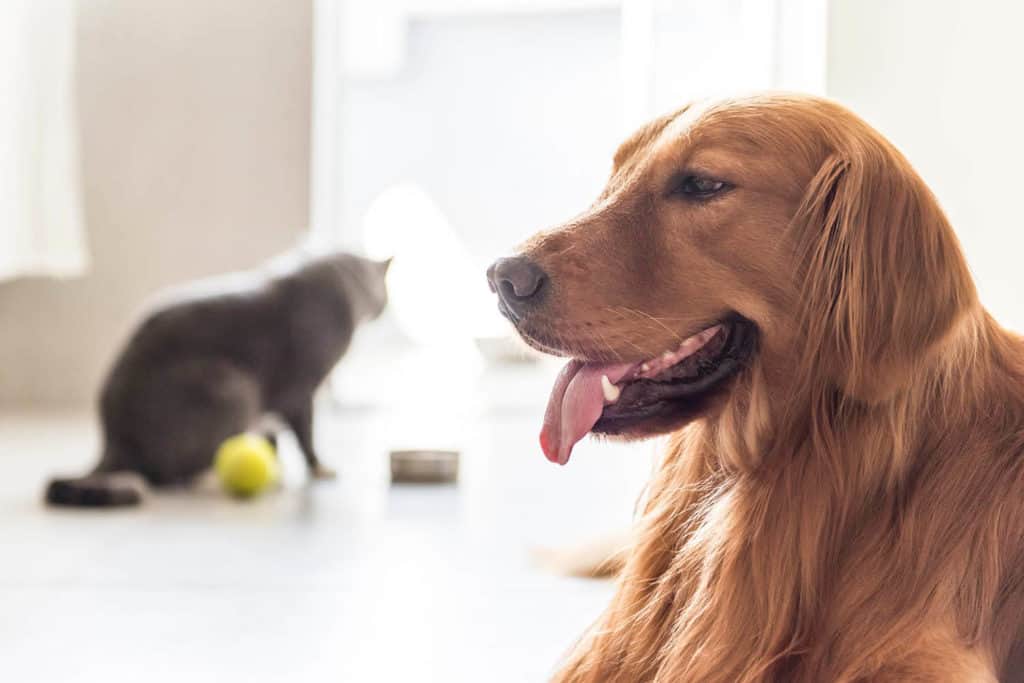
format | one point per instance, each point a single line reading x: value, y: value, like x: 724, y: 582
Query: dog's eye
x: 698, y: 187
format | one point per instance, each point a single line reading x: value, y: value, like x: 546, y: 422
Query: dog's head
x: 779, y: 235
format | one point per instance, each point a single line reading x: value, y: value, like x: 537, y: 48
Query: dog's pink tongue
x: 575, y: 405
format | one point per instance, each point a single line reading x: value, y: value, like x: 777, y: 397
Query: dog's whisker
x: 657, y: 321
x: 613, y: 355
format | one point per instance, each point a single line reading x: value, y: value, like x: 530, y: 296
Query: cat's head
x: 365, y: 283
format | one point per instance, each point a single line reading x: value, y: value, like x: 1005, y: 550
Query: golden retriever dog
x: 768, y: 280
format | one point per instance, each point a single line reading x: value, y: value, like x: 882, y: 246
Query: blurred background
x: 147, y: 143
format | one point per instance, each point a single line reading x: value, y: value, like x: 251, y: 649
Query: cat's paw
x: 320, y: 472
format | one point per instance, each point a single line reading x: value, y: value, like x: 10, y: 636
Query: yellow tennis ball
x: 246, y: 465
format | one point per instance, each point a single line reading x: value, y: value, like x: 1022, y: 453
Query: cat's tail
x: 97, y: 490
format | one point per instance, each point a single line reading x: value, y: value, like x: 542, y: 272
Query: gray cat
x: 215, y: 358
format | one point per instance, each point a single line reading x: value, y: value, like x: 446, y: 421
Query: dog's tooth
x: 645, y: 367
x: 610, y: 391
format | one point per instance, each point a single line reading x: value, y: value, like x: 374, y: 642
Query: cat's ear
x: 385, y: 264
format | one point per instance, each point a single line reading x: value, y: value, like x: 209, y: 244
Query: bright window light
x: 437, y: 292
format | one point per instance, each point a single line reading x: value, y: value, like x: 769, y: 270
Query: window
x: 498, y: 118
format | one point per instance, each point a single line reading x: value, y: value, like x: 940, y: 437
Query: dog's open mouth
x: 643, y: 398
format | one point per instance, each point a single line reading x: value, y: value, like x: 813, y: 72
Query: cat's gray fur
x: 216, y: 357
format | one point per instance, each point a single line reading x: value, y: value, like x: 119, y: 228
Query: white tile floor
x: 354, y: 580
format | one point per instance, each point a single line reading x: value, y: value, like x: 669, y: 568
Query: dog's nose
x: 517, y: 280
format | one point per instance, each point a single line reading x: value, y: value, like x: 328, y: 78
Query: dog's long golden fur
x: 853, y: 509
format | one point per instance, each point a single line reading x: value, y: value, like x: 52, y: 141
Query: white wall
x: 942, y: 79
x: 195, y: 155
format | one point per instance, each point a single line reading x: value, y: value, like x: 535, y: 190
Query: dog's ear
x: 883, y: 278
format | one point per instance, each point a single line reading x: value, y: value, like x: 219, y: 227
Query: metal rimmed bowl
x: 419, y: 466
